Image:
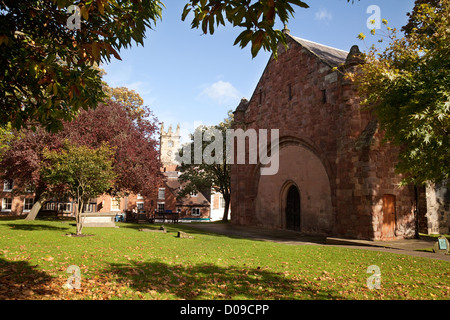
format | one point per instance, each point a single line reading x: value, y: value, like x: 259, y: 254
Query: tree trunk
x: 36, y: 206
x: 226, y: 197
x: 79, y: 217
x: 416, y: 213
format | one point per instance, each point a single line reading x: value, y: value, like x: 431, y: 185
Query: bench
x: 136, y: 217
x: 141, y: 218
x: 165, y: 215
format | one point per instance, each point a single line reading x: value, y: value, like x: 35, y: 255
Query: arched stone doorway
x: 302, y: 168
x: 293, y: 220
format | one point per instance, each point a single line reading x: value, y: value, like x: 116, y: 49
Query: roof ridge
x: 320, y: 44
x: 330, y: 56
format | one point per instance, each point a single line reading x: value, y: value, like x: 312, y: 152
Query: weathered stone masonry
x: 330, y: 151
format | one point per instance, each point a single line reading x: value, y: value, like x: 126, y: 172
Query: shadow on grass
x: 209, y: 281
x: 20, y: 280
x: 12, y: 217
x: 35, y: 227
x: 173, y: 228
x: 234, y: 232
x: 255, y: 233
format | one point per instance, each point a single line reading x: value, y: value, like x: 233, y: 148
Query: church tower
x: 169, y: 145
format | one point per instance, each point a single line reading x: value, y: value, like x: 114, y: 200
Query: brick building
x: 194, y: 207
x: 335, y: 176
x: 15, y: 200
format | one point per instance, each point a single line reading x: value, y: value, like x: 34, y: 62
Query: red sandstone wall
x: 343, y: 138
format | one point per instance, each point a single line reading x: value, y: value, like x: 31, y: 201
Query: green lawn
x: 125, y: 263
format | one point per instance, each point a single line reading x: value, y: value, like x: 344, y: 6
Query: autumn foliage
x: 135, y: 158
x: 407, y: 87
x: 82, y: 173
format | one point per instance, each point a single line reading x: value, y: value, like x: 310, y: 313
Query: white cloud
x: 323, y: 14
x: 121, y: 75
x: 140, y: 87
x: 117, y: 74
x: 220, y: 92
x: 186, y: 129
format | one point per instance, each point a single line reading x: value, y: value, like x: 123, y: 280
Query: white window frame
x: 112, y: 204
x: 4, y: 205
x: 138, y: 203
x: 161, y: 193
x: 25, y: 204
x: 65, y: 207
x: 196, y: 212
x: 50, y: 206
x: 6, y: 185
x: 163, y: 204
x: 89, y: 207
x: 221, y: 202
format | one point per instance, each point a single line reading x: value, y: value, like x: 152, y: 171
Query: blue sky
x: 189, y: 78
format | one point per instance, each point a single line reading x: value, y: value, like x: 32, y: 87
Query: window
x: 324, y: 96
x: 170, y: 144
x: 221, y: 202
x: 139, y: 206
x: 8, y: 185
x: 50, y: 206
x: 27, y: 204
x: 6, y: 204
x: 195, y: 211
x: 193, y: 193
x: 289, y: 92
x: 90, y: 207
x: 161, y: 193
x: 65, y: 207
x: 160, y: 207
x: 115, y: 204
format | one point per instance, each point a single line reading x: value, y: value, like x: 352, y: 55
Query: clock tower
x: 169, y: 145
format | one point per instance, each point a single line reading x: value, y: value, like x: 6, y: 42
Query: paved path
x: 406, y: 246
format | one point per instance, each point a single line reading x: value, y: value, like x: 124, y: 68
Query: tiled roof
x: 174, y: 185
x: 198, y: 200
x: 331, y: 56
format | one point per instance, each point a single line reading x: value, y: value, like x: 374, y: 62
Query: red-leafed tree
x: 23, y: 161
x: 132, y: 137
x: 136, y: 159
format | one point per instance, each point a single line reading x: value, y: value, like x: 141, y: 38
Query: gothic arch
x: 284, y: 194
x: 300, y: 166
x: 286, y: 141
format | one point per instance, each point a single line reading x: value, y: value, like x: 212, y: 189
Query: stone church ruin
x: 336, y: 176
